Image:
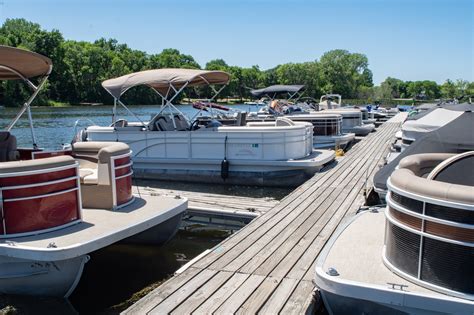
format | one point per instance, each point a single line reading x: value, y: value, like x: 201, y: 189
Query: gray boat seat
x: 8, y: 149
x: 165, y: 123
x: 182, y: 123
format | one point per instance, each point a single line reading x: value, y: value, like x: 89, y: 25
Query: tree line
x: 79, y: 67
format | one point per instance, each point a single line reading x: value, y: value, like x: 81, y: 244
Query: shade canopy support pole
x: 114, y: 111
x: 26, y: 106
x: 130, y: 112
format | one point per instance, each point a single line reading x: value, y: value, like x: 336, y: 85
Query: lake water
x: 115, y: 273
x: 54, y: 126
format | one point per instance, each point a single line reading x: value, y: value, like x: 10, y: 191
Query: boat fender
x: 225, y: 163
x: 224, y: 169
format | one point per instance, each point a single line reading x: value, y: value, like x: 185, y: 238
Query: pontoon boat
x: 330, y: 101
x: 57, y: 207
x: 455, y: 137
x: 415, y: 257
x: 170, y: 147
x: 352, y: 118
x: 327, y: 128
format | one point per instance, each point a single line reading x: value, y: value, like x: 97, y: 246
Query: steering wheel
x: 194, y: 125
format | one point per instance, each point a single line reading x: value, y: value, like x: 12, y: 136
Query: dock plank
x: 279, y: 297
x: 199, y: 200
x: 268, y: 266
x: 215, y: 299
x: 149, y: 302
x: 170, y: 303
x: 200, y: 296
x: 259, y: 296
x: 300, y: 300
x: 239, y: 296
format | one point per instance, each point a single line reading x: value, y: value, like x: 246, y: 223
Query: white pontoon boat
x: 330, y: 101
x: 352, y: 118
x: 57, y: 207
x: 170, y: 147
x: 415, y: 257
x: 327, y: 128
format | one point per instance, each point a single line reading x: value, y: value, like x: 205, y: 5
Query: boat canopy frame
x: 20, y: 64
x: 272, y: 91
x: 167, y: 83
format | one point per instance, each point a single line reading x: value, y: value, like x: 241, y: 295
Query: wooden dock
x: 268, y: 266
x: 218, y: 202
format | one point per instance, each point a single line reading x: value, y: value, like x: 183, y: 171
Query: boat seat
x: 283, y: 121
x: 422, y: 164
x: 95, y: 171
x: 8, y: 149
x: 89, y: 176
x: 408, y: 177
x: 182, y: 123
x: 455, y: 170
x: 33, y: 165
x: 164, y: 124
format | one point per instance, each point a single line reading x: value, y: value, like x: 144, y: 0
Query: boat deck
x: 365, y: 238
x: 361, y: 244
x: 99, y: 228
x: 268, y: 266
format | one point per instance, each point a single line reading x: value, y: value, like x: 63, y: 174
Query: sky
x: 405, y: 39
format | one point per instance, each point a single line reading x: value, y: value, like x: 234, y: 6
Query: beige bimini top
x: 16, y: 62
x: 162, y: 79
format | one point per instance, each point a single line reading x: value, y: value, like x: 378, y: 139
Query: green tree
x: 344, y: 72
x: 396, y: 87
x: 172, y: 58
x: 307, y: 73
x: 423, y: 89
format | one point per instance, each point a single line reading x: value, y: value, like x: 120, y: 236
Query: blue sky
x: 406, y: 39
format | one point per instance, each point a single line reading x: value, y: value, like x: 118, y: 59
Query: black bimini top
x: 455, y: 137
x: 277, y: 89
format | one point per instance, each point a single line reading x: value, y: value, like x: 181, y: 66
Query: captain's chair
x: 165, y: 123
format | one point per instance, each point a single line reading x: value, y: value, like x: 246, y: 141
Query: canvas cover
x: 455, y: 137
x: 277, y: 89
x: 414, y: 129
x: 29, y: 64
x: 425, y: 109
x: 162, y: 79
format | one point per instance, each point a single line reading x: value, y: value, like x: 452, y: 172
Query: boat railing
x: 430, y: 227
x: 39, y: 196
x: 327, y: 127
